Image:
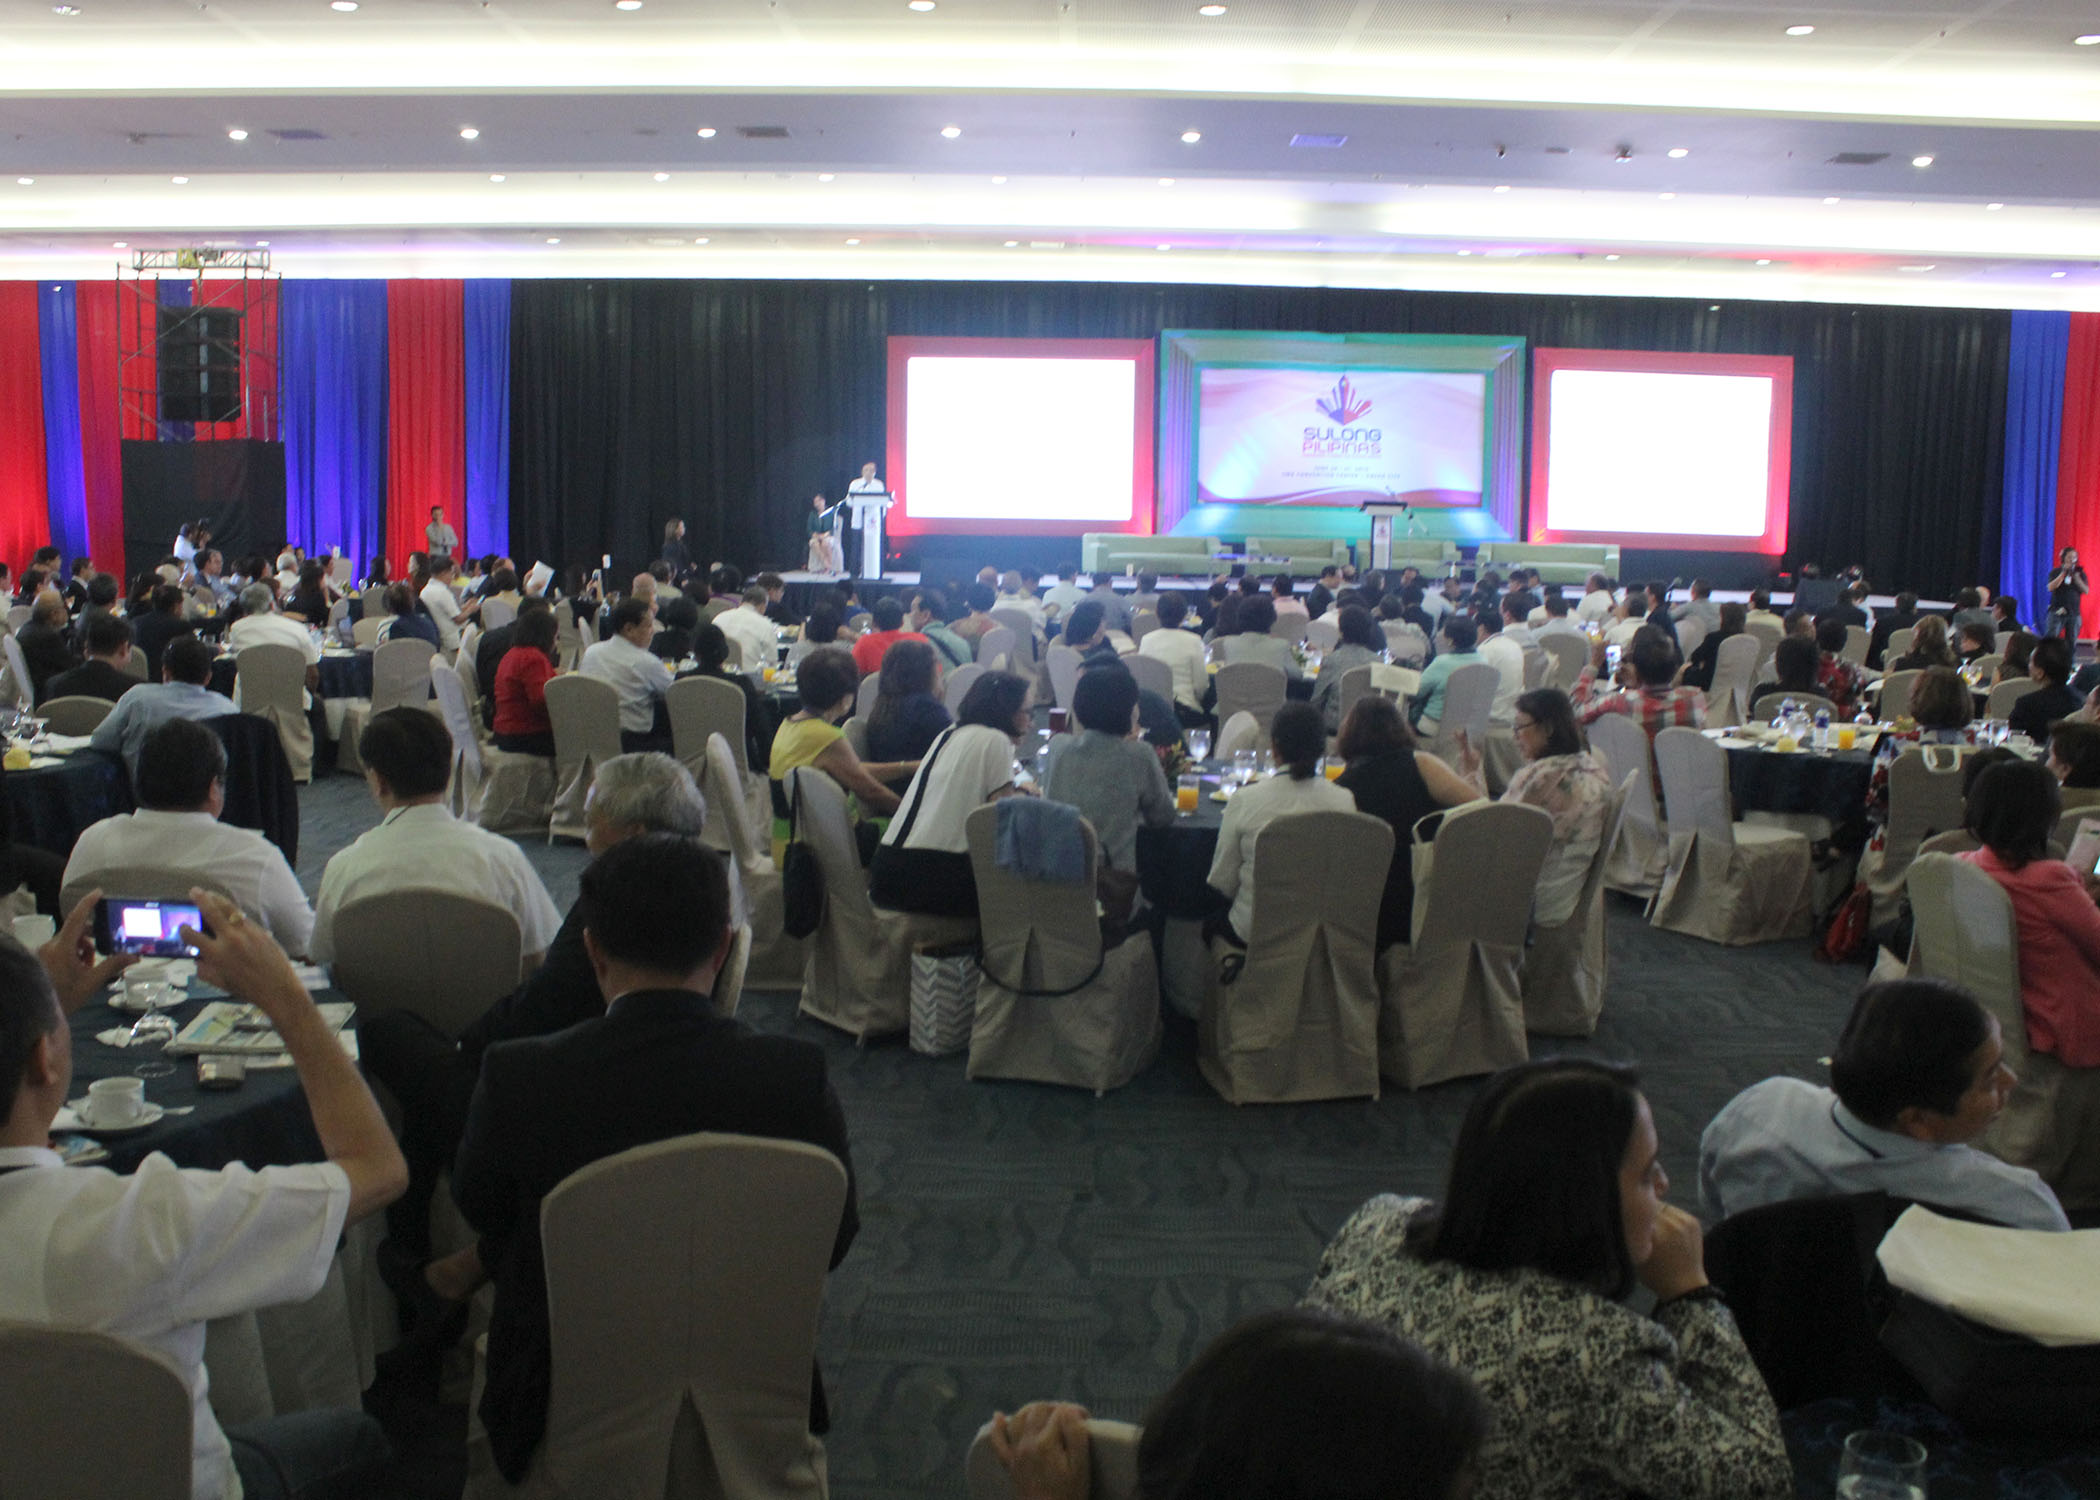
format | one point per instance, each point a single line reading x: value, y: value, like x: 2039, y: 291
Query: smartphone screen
x: 129, y: 924
x: 1611, y: 660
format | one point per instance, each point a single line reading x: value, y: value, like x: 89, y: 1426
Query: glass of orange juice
x: 1847, y: 736
x: 1186, y: 790
x: 1334, y: 766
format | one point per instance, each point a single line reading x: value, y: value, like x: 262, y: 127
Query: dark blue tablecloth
x: 1832, y: 786
x: 1173, y: 862
x: 49, y: 806
x: 341, y: 676
x: 1958, y: 1467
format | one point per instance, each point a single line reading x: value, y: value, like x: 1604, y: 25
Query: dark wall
x: 731, y: 402
x: 236, y: 484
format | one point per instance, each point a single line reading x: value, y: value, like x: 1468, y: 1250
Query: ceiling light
x: 2056, y: 275
x: 121, y: 245
x: 554, y: 239
x: 1013, y: 244
x: 1611, y: 257
x: 1666, y: 195
x: 1679, y: 153
x: 853, y: 242
x: 1190, y: 137
x: 1916, y: 270
x: 1994, y: 207
x: 1465, y: 252
x: 1162, y: 247
x: 827, y: 176
x: 1800, y: 31
x: 663, y: 176
x: 920, y: 5
x: 345, y: 6
x: 1921, y: 161
x: 25, y: 181
x: 1622, y: 156
x: 262, y: 244
x: 1503, y: 188
x: 950, y: 132
x: 469, y: 133
x: 1830, y: 200
x: 178, y: 181
x: 627, y: 4
x: 2090, y: 39
x: 1219, y: 10
x: 705, y: 132
x: 236, y: 135
x: 495, y: 177
x: 65, y: 10
x: 1764, y: 263
x: 1166, y: 182
x: 998, y: 181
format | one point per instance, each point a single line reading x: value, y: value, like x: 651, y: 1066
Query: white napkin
x: 67, y: 743
x: 2027, y: 1281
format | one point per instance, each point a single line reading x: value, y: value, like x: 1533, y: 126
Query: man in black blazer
x: 2050, y: 665
x: 659, y: 1063
x: 103, y: 674
x: 43, y: 639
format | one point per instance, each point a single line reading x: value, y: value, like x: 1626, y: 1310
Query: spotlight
x: 951, y: 132
x: 705, y: 132
x: 469, y: 133
x: 236, y: 135
x: 1190, y: 137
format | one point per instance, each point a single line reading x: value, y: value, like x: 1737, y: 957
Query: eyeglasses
x: 1517, y: 724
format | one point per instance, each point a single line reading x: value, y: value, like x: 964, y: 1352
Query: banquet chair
x: 958, y: 684
x: 736, y: 968
x: 464, y: 787
x: 865, y: 695
x: 1857, y: 639
x: 1768, y: 638
x: 1735, y: 665
x: 50, y: 1445
x: 1986, y: 667
x: 74, y: 713
x: 469, y: 644
x: 1767, y: 707
x: 1570, y: 655
x: 444, y: 956
x: 685, y: 1281
x: 375, y: 601
x: 270, y: 682
x: 1451, y: 1001
x: 1896, y: 690
x: 568, y: 637
x: 400, y: 677
x: 1025, y: 640
x: 585, y: 714
x: 497, y: 613
x: 1253, y: 687
x: 15, y: 682
x: 1405, y: 643
x: 1469, y: 696
x: 364, y: 631
x: 1142, y: 623
x: 856, y: 731
x: 996, y: 642
x: 858, y: 977
x: 702, y: 707
x: 776, y: 959
x: 797, y: 650
x: 1153, y: 675
x: 2002, y: 697
x: 144, y: 882
x: 1294, y: 1015
x: 2001, y: 640
x: 1640, y: 854
x: 503, y: 791
x: 1538, y: 668
x: 18, y: 615
x: 1323, y: 633
x: 1965, y: 933
x: 1898, y: 644
x: 1240, y: 732
x: 1566, y: 965
x: 1111, y: 1458
x: 1054, y: 1005
x: 135, y: 664
x: 337, y: 613
x: 1925, y: 798
x: 1290, y: 627
x: 732, y: 654
x: 1061, y: 664
x: 1356, y: 686
x: 1691, y: 635
x: 1727, y: 882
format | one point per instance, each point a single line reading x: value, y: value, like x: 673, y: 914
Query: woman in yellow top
x: 828, y: 681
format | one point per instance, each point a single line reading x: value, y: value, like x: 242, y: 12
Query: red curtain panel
x: 427, y: 412
x: 25, y: 517
x: 2078, y: 467
x: 101, y: 423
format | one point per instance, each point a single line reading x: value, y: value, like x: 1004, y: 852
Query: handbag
x: 1990, y: 1381
x: 801, y: 881
x: 1845, y: 937
x: 932, y: 882
x: 943, y: 998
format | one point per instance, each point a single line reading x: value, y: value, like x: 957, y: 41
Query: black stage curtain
x: 730, y: 403
x: 237, y: 484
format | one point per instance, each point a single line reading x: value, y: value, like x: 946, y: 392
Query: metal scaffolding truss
x: 223, y: 280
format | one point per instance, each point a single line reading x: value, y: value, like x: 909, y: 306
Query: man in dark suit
x: 2050, y: 665
x: 102, y: 675
x: 1903, y: 617
x: 43, y: 641
x: 151, y: 632
x: 659, y: 1063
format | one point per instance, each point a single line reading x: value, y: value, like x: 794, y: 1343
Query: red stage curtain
x: 25, y: 516
x: 2078, y: 467
x: 427, y: 412
x: 101, y: 423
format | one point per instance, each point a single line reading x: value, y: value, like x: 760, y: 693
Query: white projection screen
x: 1669, y: 451
x: 1040, y: 436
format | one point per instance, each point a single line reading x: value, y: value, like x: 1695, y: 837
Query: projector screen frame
x: 901, y: 349
x: 1779, y: 368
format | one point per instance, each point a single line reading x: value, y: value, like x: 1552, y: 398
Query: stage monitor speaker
x: 199, y: 351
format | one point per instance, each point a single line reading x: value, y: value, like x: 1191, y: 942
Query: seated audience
x: 1254, y: 643
x: 757, y: 637
x: 181, y: 789
x: 446, y: 611
x: 1182, y: 651
x: 1699, y: 606
x: 1300, y: 744
x: 1653, y: 701
x: 2074, y: 756
x: 102, y: 598
x: 103, y: 674
x: 46, y: 648
x: 1283, y: 597
x: 1115, y: 614
x: 1976, y: 639
x: 184, y: 695
x: 311, y: 600
x: 2017, y: 659
x: 1500, y: 650
x: 1928, y: 647
x: 521, y: 724
x: 1836, y: 678
x: 1699, y: 668
x: 1556, y: 619
x: 1086, y: 631
x: 1919, y: 1072
x: 1105, y: 771
x: 1015, y: 594
x: 405, y: 619
x: 1940, y: 714
x: 1903, y: 617
x: 260, y: 624
x: 827, y: 682
x: 492, y: 645
x: 1561, y: 776
x: 1389, y: 778
x: 1800, y: 622
x: 889, y: 628
x: 660, y: 1062
x: 1795, y: 662
x: 637, y: 675
x: 908, y: 715
x: 1553, y: 1213
x: 1596, y: 604
x: 1626, y: 618
x: 677, y: 618
x: 778, y: 610
x: 1062, y: 595
x: 156, y: 1253
x: 823, y: 628
x: 923, y: 864
x: 2034, y: 714
x: 761, y: 718
x: 929, y: 617
x: 1658, y: 605
x: 419, y: 845
x: 982, y: 600
x: 2005, y: 614
x: 1455, y: 640
x: 1362, y: 644
x: 1285, y: 1405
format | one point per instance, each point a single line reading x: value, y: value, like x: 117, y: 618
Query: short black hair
x: 1283, y: 583
x: 1257, y: 616
x: 659, y: 901
x: 1832, y: 633
x: 822, y: 626
x: 1299, y: 737
x: 1556, y: 603
x: 1085, y: 621
x: 933, y: 601
x: 889, y: 614
x: 166, y: 597
x: 2053, y: 658
x: 1147, y: 582
x: 711, y: 647
x: 1795, y: 662
x: 1968, y: 599
x: 1907, y: 1044
x: 2077, y: 745
x: 28, y: 1013
x: 178, y: 763
x: 186, y: 659
x: 535, y: 628
x: 107, y: 634
x: 825, y: 676
x: 1173, y: 609
x: 659, y: 570
x: 102, y: 589
x: 630, y: 612
x: 994, y: 700
x: 1355, y: 627
x: 981, y: 597
x: 410, y: 749
x: 1654, y: 658
x: 1104, y: 699
x: 1460, y: 631
x: 1519, y: 605
x: 2012, y: 810
x: 724, y: 579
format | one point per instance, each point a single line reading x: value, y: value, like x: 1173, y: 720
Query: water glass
x: 1243, y: 763
x: 1199, y: 744
x: 1881, y: 1466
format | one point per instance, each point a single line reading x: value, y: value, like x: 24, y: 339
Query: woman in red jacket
x: 522, y: 724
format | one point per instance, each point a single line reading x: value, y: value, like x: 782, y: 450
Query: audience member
x: 1904, y: 616
x: 1658, y: 604
x: 1699, y: 667
x: 1105, y: 771
x: 184, y: 695
x: 1254, y: 642
x: 1928, y: 647
x: 923, y: 864
x: 889, y: 629
x: 1562, y: 777
x: 1361, y: 644
x: 2074, y: 755
x: 1554, y: 1211
x: 637, y: 675
x: 1059, y: 598
x: 309, y: 602
x: 2051, y: 667
x: 1971, y: 609
x: 1626, y: 619
x: 522, y: 725
x: 1700, y: 606
x: 1653, y: 701
x: 1940, y: 715
x: 1596, y: 603
x: 929, y: 617
x: 261, y: 625
x: 1976, y: 640
x: 103, y: 674
x: 1182, y: 651
x: 1836, y: 678
x: 908, y: 715
x: 1557, y: 620
x: 1284, y: 597
x: 405, y: 619
x: 1086, y: 631
x: 1389, y: 778
x: 827, y: 682
x: 1014, y: 594
x: 676, y: 620
x: 1919, y: 1073
x: 1115, y: 614
x: 44, y: 639
x: 982, y: 599
x: 446, y: 612
x: 761, y: 718
x: 1456, y: 639
x: 1300, y: 744
x: 757, y: 638
x: 1500, y: 650
x: 2017, y: 659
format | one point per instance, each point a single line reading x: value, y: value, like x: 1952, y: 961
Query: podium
x: 868, y: 507
x: 1382, y: 513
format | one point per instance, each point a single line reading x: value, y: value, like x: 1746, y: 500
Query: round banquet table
x: 1173, y: 861
x: 49, y: 805
x: 1830, y: 784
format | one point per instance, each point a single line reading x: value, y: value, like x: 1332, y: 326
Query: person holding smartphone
x: 2068, y: 587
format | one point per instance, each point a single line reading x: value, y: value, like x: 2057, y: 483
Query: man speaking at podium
x: 867, y: 499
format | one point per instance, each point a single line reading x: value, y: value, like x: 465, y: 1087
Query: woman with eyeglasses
x: 1563, y: 777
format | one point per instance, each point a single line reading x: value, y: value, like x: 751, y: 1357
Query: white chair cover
x: 1405, y: 642
x: 1899, y: 643
x: 2002, y: 697
x: 1566, y: 965
x: 467, y: 769
x: 1691, y: 635
x: 15, y: 685
x: 1767, y: 707
x: 1735, y: 668
x: 958, y: 685
x: 444, y: 956
x: 1153, y: 675
x: 2001, y: 640
x: 1641, y: 853
x: 1537, y: 667
x: 1052, y: 1006
x: 685, y: 1280
x: 585, y: 714
x: 1240, y: 732
x: 859, y: 973
x: 401, y: 673
x: 469, y: 643
x: 1727, y: 882
x: 375, y: 602
x: 1356, y: 686
x: 1570, y: 654
x: 865, y: 695
x: 736, y: 966
x: 1142, y: 623
x: 998, y: 641
x: 1451, y: 1003
x: 271, y: 682
x: 135, y: 664
x: 1896, y: 690
x: 1061, y: 662
x: 1768, y: 637
x: 1290, y: 627
x: 1469, y: 696
x: 776, y: 958
x: 1323, y: 633
x: 75, y: 714
x: 856, y: 731
x: 700, y: 708
x: 497, y: 613
x: 364, y: 630
x: 1024, y: 642
x: 1857, y: 639
x: 1253, y: 687
x: 51, y: 1446
x: 1925, y: 798
x: 568, y: 637
x: 1295, y: 1015
x: 1111, y: 1456
x: 1965, y: 933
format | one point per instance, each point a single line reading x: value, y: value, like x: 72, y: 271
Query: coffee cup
x: 35, y: 930
x: 116, y: 1101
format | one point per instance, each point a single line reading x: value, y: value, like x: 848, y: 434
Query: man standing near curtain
x: 442, y: 538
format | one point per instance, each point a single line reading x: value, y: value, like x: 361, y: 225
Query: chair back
x: 1566, y: 965
x: 1039, y: 936
x: 441, y: 955
x: 1735, y: 669
x: 337, y: 613
x: 1253, y: 687
x: 1142, y: 623
x: 585, y: 716
x: 1630, y: 763
x: 1404, y: 642
x: 16, y: 689
x: 1896, y: 690
x: 271, y: 680
x: 1062, y: 663
x: 144, y: 882
x: 1965, y: 933
x: 568, y: 636
x: 364, y: 631
x: 1691, y: 635
x: 865, y: 695
x: 1767, y: 707
x: 1241, y: 731
x: 736, y: 963
x: 1986, y: 667
x: 1857, y: 639
x: 496, y: 613
x: 1768, y: 637
x: 1925, y: 798
x: 54, y: 1377
x: 1481, y: 878
x: 958, y: 685
x: 1016, y: 620
x: 1290, y: 627
x: 1899, y: 643
x: 2001, y: 640
x: 375, y: 602
x: 685, y: 1279
x: 2005, y: 695
x: 728, y: 812
x: 1694, y: 772
x: 75, y: 713
x: 401, y: 670
x: 18, y: 615
x: 135, y: 664
x: 1152, y: 673
x: 1323, y: 633
x: 856, y: 731
x: 458, y: 715
x: 1537, y: 667
x: 700, y: 708
x: 1111, y: 1458
x: 1469, y: 696
x: 1570, y: 654
x: 1356, y: 686
x: 469, y: 642
x: 998, y: 641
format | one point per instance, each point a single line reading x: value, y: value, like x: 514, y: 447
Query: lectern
x: 1382, y: 513
x: 868, y: 508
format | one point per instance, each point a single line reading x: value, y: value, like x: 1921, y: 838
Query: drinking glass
x: 1199, y: 744
x: 1334, y: 766
x: 1243, y: 763
x: 1881, y: 1466
x: 1186, y: 790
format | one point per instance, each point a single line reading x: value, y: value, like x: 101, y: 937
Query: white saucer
x: 71, y: 1118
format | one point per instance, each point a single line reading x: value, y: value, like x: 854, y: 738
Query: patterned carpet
x: 1021, y: 1241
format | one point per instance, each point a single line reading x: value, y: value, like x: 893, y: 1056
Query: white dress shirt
x: 638, y: 676
x: 444, y: 608
x: 969, y: 763
x: 1253, y: 808
x: 249, y: 866
x: 423, y: 847
x: 755, y: 635
x: 1561, y: 625
x: 1507, y: 658
x: 271, y: 630
x: 1595, y: 606
x: 1182, y: 650
x: 155, y: 1255
x: 1064, y: 595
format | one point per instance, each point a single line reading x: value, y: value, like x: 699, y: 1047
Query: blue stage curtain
x: 487, y: 320
x: 66, y: 480
x: 2034, y: 412
x: 333, y: 406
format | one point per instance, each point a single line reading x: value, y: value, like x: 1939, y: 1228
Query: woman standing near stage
x: 2068, y: 587
x: 821, y: 558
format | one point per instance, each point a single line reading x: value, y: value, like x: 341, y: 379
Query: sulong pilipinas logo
x: 1342, y: 406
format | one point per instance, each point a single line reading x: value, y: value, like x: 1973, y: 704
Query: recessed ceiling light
x: 1611, y: 257
x: 1994, y: 207
x: 827, y: 177
x: 1830, y: 200
x: 705, y: 132
x: 1166, y: 182
x: 1162, y: 247
x: 554, y: 239
x: 1503, y: 188
x: 178, y: 181
x: 26, y: 181
x: 627, y: 4
x: 1210, y: 10
x: 998, y: 181
x: 1465, y: 252
x: 2090, y: 39
x: 950, y: 132
x: 1679, y: 153
x: 1665, y: 195
x: 469, y: 133
x: 1921, y: 161
x: 236, y: 135
x: 1190, y: 137
x: 262, y: 244
x: 121, y: 245
x: 1623, y: 156
x: 2056, y: 275
x: 345, y: 6
x: 495, y: 177
x: 1764, y: 263
x: 65, y: 10
x: 853, y: 242
x: 920, y: 5
x: 1917, y: 270
x: 1013, y: 244
x: 1801, y: 31
x: 663, y: 176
